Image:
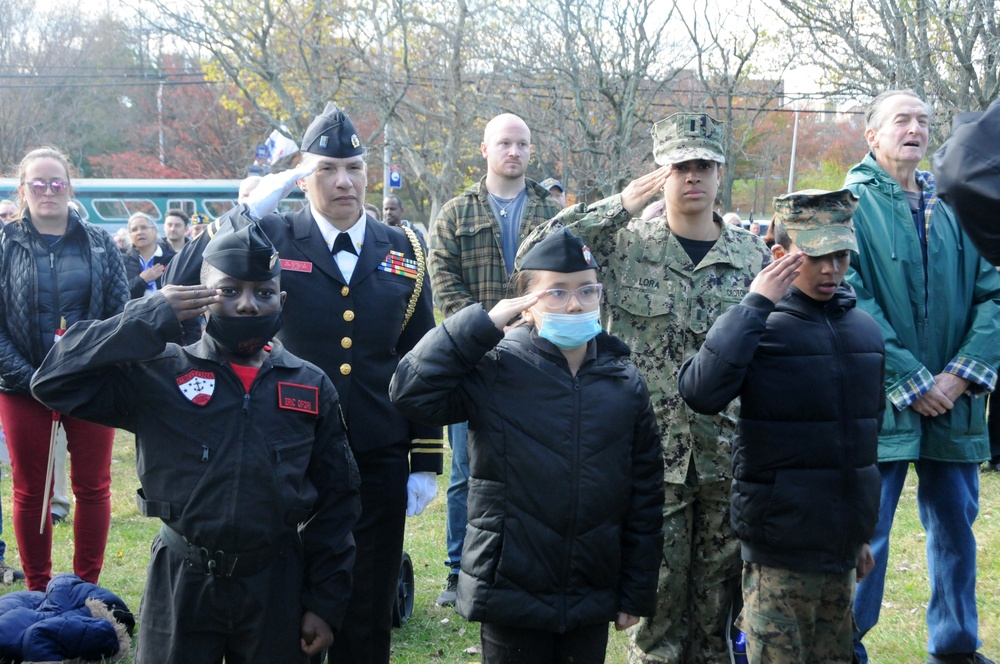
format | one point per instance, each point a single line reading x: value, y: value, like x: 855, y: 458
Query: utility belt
x: 222, y: 563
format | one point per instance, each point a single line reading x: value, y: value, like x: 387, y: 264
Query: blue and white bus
x: 110, y: 203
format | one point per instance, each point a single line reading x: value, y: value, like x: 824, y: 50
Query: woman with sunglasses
x: 55, y: 270
x: 566, y: 470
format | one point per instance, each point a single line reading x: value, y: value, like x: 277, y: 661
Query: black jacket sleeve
x: 87, y: 373
x: 967, y: 173
x: 642, y: 532
x: 327, y: 537
x: 427, y: 382
x: 713, y: 376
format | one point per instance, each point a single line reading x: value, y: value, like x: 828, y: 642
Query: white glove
x: 420, y: 490
x: 273, y: 187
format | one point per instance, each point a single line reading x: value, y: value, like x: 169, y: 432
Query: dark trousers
x: 189, y: 617
x: 365, y: 636
x: 515, y: 645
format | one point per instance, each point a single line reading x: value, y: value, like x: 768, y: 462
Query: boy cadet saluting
x: 241, y: 451
x: 808, y: 366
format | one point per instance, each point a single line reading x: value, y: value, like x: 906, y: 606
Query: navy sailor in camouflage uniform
x: 667, y: 280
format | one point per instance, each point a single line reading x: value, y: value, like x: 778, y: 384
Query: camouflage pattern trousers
x: 699, y: 578
x: 797, y: 617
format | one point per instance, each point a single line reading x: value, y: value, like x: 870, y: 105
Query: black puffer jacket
x: 565, y: 473
x: 809, y: 376
x: 22, y: 345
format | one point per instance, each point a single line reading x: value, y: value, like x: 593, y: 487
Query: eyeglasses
x: 557, y: 298
x: 57, y: 185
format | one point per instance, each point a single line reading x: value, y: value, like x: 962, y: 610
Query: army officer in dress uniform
x: 358, y: 300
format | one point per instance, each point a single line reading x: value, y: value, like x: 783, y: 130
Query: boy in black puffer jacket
x: 808, y: 367
x: 566, y: 470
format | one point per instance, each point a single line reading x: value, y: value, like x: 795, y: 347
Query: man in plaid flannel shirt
x: 472, y: 247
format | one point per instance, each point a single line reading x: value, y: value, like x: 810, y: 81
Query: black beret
x: 332, y: 134
x: 245, y: 254
x: 560, y: 252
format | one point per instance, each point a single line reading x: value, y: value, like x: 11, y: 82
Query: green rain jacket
x: 930, y: 319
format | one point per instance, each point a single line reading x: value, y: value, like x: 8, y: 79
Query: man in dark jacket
x: 807, y: 366
x: 241, y: 452
x: 358, y: 300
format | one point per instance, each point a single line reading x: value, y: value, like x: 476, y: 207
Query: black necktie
x: 343, y: 243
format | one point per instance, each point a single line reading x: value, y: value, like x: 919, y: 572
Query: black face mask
x: 243, y: 336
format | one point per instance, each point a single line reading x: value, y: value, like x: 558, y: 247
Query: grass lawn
x: 440, y: 635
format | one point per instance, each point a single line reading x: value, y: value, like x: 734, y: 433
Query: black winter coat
x: 21, y: 338
x: 565, y: 472
x: 809, y: 375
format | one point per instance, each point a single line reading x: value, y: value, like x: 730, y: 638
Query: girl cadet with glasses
x: 55, y: 269
x: 566, y: 473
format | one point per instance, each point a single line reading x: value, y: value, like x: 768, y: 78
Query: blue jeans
x: 458, y: 494
x: 948, y: 502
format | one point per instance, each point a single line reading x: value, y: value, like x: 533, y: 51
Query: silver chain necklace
x: 503, y: 208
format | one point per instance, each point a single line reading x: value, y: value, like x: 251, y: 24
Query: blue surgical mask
x: 568, y: 331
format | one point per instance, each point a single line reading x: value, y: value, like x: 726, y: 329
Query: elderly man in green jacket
x: 938, y: 304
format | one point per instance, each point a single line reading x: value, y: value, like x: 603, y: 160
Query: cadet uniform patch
x: 197, y: 386
x: 303, y: 398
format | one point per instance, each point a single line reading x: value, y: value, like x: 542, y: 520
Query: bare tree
x: 739, y: 72
x: 589, y: 77
x: 948, y: 51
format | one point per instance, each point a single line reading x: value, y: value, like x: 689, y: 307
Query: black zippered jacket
x: 565, y: 472
x: 809, y: 375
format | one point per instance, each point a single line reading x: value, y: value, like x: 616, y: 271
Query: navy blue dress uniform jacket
x: 350, y: 330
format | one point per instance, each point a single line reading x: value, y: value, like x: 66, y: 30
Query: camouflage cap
x: 818, y: 222
x: 686, y: 136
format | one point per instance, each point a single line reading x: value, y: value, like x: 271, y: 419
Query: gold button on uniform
x: 348, y: 315
x: 346, y: 342
x: 345, y: 369
x: 344, y: 291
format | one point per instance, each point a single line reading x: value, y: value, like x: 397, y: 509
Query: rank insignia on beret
x: 197, y: 386
x: 355, y: 141
x: 396, y: 263
x: 324, y: 141
x: 274, y: 259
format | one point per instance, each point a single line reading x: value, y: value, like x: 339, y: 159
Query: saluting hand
x: 507, y: 309
x: 273, y: 187
x: 189, y: 301
x: 773, y: 281
x: 641, y: 189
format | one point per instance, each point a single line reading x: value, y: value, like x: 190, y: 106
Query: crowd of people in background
x: 641, y: 433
